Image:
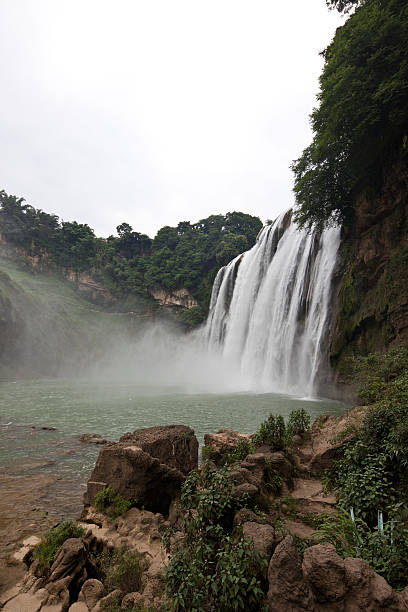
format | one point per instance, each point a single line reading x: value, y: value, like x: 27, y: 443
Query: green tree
x: 361, y: 123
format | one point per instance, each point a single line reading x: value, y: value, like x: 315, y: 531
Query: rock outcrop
x: 178, y: 298
x: 222, y: 441
x: 54, y: 592
x: 174, y: 445
x: 318, y: 448
x: 324, y: 582
x: 148, y: 465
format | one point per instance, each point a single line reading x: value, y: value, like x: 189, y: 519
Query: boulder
x: 263, y: 537
x: 110, y: 601
x: 173, y: 445
x: 245, y: 515
x: 92, y: 591
x: 92, y: 438
x: 325, y: 582
x: 135, y: 474
x: 319, y: 447
x: 223, y: 440
x: 288, y: 591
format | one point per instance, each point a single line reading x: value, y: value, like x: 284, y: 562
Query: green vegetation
x: 372, y: 474
x: 386, y: 551
x: 130, y: 264
x: 214, y: 568
x: 277, y: 434
x: 299, y: 422
x: 53, y: 540
x: 273, y: 431
x: 122, y: 569
x: 361, y: 123
x: 112, y: 503
x: 228, y: 456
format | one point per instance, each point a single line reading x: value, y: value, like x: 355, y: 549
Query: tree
x: 361, y: 122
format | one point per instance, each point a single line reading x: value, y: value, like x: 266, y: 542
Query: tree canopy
x: 361, y: 122
x: 186, y: 256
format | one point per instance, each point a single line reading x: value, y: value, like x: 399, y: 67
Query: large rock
x: 135, y: 474
x: 318, y: 448
x: 253, y: 475
x: 53, y: 593
x: 92, y: 591
x: 288, y: 591
x: 222, y: 441
x: 263, y: 537
x: 149, y: 465
x: 325, y: 582
x: 174, y: 445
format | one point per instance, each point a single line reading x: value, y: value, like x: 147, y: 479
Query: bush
x: 122, y: 569
x: 386, y: 553
x: 272, y: 432
x: 299, y: 422
x: 112, y: 503
x: 214, y: 570
x: 275, y: 433
x: 372, y: 474
x: 53, y: 540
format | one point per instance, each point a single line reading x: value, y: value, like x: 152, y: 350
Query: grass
x: 53, y: 540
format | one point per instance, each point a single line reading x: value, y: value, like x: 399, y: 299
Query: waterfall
x: 270, y: 307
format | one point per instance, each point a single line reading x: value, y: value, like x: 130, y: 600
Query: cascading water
x: 270, y: 306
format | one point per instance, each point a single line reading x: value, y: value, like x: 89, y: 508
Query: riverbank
x: 277, y: 498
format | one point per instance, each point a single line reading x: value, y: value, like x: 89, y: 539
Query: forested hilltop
x: 130, y: 263
x: 355, y: 172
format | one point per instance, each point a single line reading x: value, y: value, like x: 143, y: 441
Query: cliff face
x: 372, y: 305
x: 178, y: 298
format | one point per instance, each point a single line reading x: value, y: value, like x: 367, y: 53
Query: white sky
x: 157, y: 111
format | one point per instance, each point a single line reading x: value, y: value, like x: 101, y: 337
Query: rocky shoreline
x: 284, y: 499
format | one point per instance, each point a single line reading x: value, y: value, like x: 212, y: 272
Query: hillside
x: 48, y: 329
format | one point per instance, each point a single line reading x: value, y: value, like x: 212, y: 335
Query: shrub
x: 272, y: 432
x: 372, y: 474
x: 122, y: 569
x: 213, y: 570
x: 53, y: 540
x: 112, y: 503
x: 299, y: 422
x: 386, y: 553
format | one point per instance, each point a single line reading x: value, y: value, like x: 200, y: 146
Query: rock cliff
x: 371, y: 309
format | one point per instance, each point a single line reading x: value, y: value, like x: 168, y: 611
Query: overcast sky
x: 157, y: 111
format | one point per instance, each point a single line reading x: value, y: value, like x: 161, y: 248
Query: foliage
x: 272, y: 432
x: 361, y: 122
x: 277, y: 434
x: 53, y: 540
x: 112, y: 503
x: 372, y: 474
x: 299, y: 422
x: 228, y: 456
x: 387, y: 552
x: 122, y: 569
x: 214, y: 569
x: 187, y: 256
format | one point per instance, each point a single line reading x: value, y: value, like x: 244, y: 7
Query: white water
x: 270, y: 309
